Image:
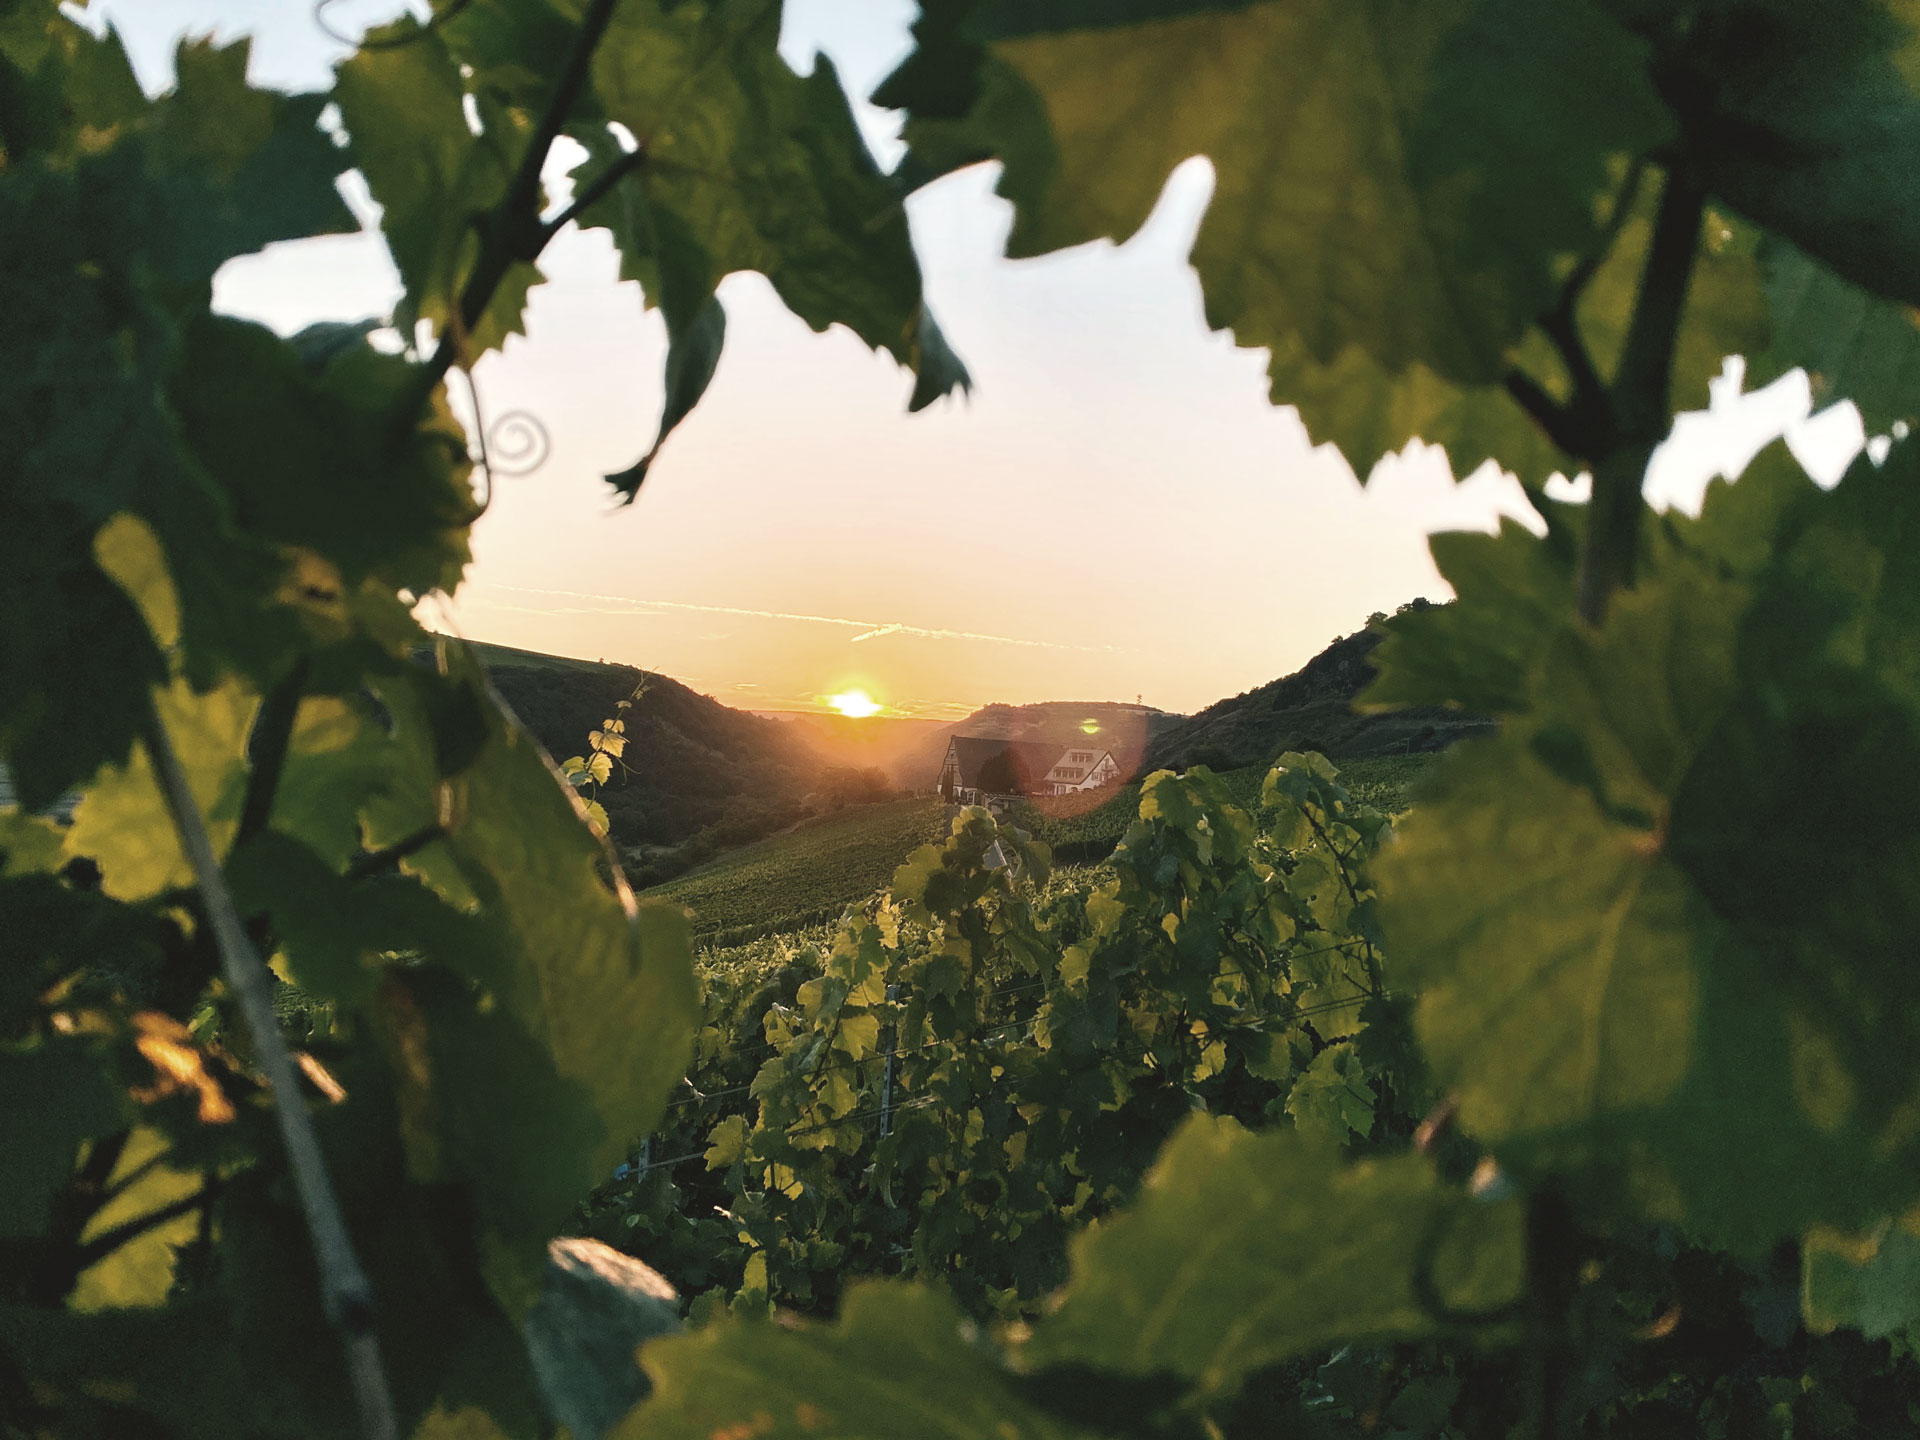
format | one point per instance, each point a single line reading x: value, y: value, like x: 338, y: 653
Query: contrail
x: 870, y: 629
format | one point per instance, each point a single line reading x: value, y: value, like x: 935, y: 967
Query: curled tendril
x: 515, y: 444
x: 518, y: 443
x: 397, y: 42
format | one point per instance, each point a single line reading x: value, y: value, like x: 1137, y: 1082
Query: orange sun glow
x: 854, y: 704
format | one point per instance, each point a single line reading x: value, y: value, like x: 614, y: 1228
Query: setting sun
x: 854, y: 704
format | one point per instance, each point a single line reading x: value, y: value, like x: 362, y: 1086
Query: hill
x: 807, y: 875
x: 895, y: 746
x: 909, y: 752
x: 1311, y: 709
x: 693, y: 765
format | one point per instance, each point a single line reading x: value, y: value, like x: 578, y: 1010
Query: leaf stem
x: 596, y: 191
x: 346, y: 1295
x: 378, y: 861
x: 1640, y: 392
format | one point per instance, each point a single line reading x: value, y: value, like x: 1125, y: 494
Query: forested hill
x: 694, y: 762
x: 1311, y: 709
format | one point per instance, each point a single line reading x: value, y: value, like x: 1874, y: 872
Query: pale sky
x: 1116, y: 511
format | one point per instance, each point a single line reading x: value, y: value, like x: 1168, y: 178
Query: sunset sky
x: 1116, y: 511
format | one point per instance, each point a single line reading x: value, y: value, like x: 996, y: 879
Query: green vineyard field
x: 1386, y: 782
x: 809, y: 874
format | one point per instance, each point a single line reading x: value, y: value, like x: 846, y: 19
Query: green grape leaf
x: 242, y: 392
x: 55, y: 1095
x: 1802, y: 114
x: 335, y: 932
x: 535, y: 1071
x: 122, y: 821
x: 29, y: 844
x: 176, y: 1365
x: 62, y: 82
x: 152, y: 203
x: 900, y: 1361
x: 693, y: 354
x: 55, y: 930
x: 1852, y: 344
x: 403, y: 104
x: 1357, y: 405
x: 749, y: 166
x: 1246, y: 1249
x: 266, y: 168
x: 1333, y: 1097
x: 514, y: 47
x: 74, y: 677
x: 1660, y: 926
x: 1381, y: 177
x: 139, y: 1274
x: 453, y: 1356
x: 1869, y: 1283
x: 1443, y: 196
x: 1511, y: 594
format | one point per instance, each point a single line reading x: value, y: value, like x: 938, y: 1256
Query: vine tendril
x: 398, y: 42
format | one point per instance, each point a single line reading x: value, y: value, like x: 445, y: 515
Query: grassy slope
x: 809, y: 874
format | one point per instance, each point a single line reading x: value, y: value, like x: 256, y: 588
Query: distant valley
x: 703, y: 778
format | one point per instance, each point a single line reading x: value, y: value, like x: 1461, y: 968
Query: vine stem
x: 1641, y: 386
x: 346, y: 1295
x: 511, y: 230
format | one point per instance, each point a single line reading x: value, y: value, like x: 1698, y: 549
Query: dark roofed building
x: 977, y: 767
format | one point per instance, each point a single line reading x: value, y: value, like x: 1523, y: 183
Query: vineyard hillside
x: 807, y: 875
x: 692, y: 764
x: 1311, y: 709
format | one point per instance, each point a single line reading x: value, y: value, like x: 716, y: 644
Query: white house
x: 977, y: 766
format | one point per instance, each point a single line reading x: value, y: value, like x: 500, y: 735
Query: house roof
x: 1027, y: 761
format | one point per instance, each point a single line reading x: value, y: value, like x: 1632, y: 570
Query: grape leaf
x: 334, y: 931
x: 1799, y: 115
x: 242, y: 393
x: 153, y: 202
x: 1852, y: 344
x: 403, y: 103
x: 264, y: 167
x: 1868, y: 1282
x: 898, y: 1362
x: 54, y: 1094
x: 1245, y: 1249
x: 1512, y: 592
x: 1664, y: 922
x: 748, y: 166
x: 1333, y: 1097
x: 140, y: 1273
x: 533, y: 1061
x: 122, y: 821
x: 1399, y: 186
x: 1381, y: 178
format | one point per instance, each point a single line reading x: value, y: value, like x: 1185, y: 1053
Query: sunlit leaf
x: 1245, y: 1250
x: 898, y: 1362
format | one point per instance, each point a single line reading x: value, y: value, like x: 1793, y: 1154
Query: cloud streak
x: 870, y: 629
